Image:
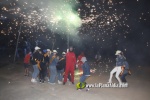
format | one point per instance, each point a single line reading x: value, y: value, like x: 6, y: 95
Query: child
x: 27, y: 63
x: 86, y: 72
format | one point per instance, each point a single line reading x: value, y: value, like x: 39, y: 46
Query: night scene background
x: 91, y: 26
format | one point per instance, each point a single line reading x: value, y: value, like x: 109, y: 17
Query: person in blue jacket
x: 85, y: 75
x: 125, y: 72
x: 53, y: 71
x: 86, y: 69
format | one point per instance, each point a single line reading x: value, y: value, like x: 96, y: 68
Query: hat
x: 48, y: 50
x: 37, y: 48
x: 63, y: 53
x: 44, y: 51
x: 118, y: 52
x: 83, y: 59
x: 54, y: 51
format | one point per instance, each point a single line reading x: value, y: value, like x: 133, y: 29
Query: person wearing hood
x: 119, y: 63
x: 86, y: 69
x: 70, y: 65
x: 86, y: 73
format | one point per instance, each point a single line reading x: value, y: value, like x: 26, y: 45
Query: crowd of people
x: 47, y: 63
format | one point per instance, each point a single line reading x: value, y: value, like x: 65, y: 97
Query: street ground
x: 15, y: 86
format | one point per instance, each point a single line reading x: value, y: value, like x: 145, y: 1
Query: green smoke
x: 62, y: 16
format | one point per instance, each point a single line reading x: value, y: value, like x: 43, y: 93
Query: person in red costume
x: 27, y: 63
x: 80, y: 63
x: 70, y: 64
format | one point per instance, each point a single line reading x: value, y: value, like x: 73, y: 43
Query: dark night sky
x: 107, y: 25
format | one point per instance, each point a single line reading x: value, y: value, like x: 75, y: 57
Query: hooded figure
x: 70, y: 64
x: 85, y: 67
x: 86, y: 73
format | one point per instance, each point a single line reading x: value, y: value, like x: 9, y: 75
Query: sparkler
x: 99, y: 21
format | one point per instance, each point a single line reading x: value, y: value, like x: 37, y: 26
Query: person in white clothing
x: 119, y: 63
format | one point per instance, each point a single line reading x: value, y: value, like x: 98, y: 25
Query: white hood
x: 83, y: 59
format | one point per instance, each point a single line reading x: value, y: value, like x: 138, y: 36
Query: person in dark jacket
x: 125, y: 72
x: 35, y: 60
x: 119, y: 63
x: 60, y: 67
x: 43, y: 64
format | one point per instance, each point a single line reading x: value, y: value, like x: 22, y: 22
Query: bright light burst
x: 98, y: 21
